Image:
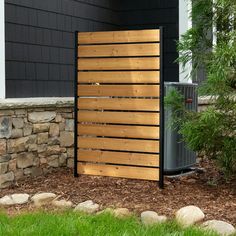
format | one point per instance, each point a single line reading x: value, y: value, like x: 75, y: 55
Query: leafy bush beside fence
x: 213, y: 131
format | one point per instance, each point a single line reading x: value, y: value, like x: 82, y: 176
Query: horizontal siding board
x: 119, y: 171
x: 121, y: 90
x: 123, y: 158
x: 136, y: 118
x: 119, y: 77
x: 119, y: 104
x: 129, y: 36
x: 122, y: 131
x: 119, y: 50
x: 131, y: 145
x: 148, y: 63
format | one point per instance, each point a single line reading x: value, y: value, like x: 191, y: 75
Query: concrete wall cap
x: 20, y: 103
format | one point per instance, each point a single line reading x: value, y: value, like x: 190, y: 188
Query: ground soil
x: 206, y: 189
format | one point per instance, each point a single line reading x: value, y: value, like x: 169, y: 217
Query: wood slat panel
x: 119, y: 50
x: 119, y: 77
x: 125, y: 158
x: 145, y: 63
x: 139, y: 118
x: 121, y: 90
x: 123, y: 131
x: 119, y: 171
x: 132, y: 145
x: 119, y: 36
x: 119, y: 104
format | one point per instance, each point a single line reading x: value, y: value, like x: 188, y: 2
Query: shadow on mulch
x: 215, y: 197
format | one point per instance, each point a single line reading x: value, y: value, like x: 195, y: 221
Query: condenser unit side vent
x: 178, y: 156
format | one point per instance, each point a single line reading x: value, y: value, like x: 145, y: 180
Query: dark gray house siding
x: 40, y: 38
x: 40, y: 43
x: 141, y: 14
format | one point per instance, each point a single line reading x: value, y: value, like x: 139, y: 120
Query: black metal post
x: 162, y: 111
x: 76, y: 107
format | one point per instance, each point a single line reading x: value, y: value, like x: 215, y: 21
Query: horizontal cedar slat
x: 121, y: 90
x: 123, y: 158
x: 119, y: 50
x: 145, y: 63
x: 123, y: 131
x: 119, y: 171
x: 139, y: 118
x: 119, y: 36
x: 119, y: 104
x: 133, y: 145
x: 119, y: 77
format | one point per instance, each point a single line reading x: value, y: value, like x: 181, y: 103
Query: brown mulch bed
x: 213, y: 195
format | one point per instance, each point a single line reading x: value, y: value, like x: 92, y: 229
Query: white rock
x: 62, y: 204
x: 189, y: 215
x: 41, y: 199
x: 20, y: 198
x: 87, y: 207
x: 220, y: 227
x: 151, y: 217
x: 121, y: 212
x: 6, y: 200
x: 14, y: 199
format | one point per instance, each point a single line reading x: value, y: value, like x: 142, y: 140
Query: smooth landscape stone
x: 14, y: 199
x: 6, y: 200
x: 121, y: 212
x: 20, y: 198
x: 189, y: 215
x: 62, y: 204
x: 220, y: 227
x: 42, y: 199
x: 87, y: 207
x: 151, y: 218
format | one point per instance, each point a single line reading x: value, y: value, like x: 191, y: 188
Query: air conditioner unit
x: 177, y: 156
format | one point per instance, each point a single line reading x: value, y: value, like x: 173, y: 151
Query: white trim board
x: 2, y: 51
x: 185, y: 23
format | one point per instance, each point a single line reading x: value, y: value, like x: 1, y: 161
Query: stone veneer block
x: 67, y: 139
x: 18, y: 123
x: 40, y: 128
x: 3, y: 168
x: 5, y: 178
x: 41, y: 117
x: 5, y: 127
x: 25, y: 159
x: 54, y: 130
x: 17, y: 145
x: 3, y: 147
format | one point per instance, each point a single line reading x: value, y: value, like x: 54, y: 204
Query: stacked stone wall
x: 35, y: 140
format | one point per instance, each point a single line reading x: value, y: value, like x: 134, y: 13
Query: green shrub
x: 212, y: 131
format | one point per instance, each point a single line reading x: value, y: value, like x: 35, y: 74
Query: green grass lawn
x: 71, y: 224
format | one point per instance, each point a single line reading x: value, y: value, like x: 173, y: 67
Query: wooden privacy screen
x: 118, y: 104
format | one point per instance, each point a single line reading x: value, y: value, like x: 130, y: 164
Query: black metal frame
x: 162, y: 112
x: 162, y: 119
x: 76, y: 107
